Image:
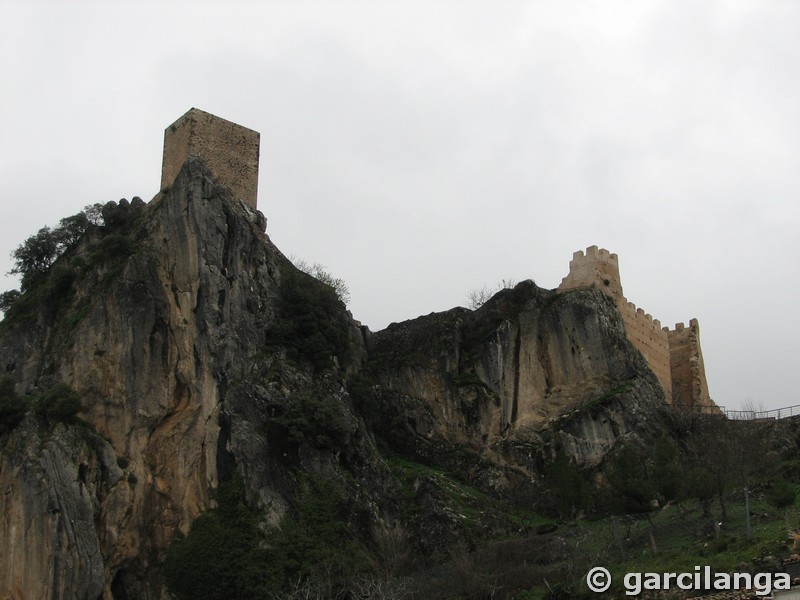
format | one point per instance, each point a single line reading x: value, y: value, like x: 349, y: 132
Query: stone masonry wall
x: 230, y: 151
x: 647, y: 336
x: 689, y: 386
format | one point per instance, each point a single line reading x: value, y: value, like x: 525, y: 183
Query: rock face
x: 159, y: 355
x: 52, y: 490
x: 194, y: 342
x: 529, y: 361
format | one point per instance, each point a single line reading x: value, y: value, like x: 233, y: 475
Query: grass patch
x: 678, y: 538
x: 462, y: 499
x: 613, y: 393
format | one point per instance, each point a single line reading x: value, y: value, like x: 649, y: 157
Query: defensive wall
x: 674, y: 356
x: 230, y: 151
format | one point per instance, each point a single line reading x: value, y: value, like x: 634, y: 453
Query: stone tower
x: 597, y: 266
x: 689, y: 386
x: 674, y: 356
x: 230, y: 151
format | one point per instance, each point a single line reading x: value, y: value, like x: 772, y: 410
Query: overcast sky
x: 421, y: 150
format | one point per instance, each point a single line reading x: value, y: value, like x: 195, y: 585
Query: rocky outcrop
x: 167, y: 346
x: 199, y: 351
x: 530, y: 366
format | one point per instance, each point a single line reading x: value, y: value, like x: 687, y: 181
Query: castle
x: 232, y: 152
x: 674, y: 355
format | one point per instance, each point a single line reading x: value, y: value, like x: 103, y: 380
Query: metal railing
x: 742, y: 415
x: 701, y: 409
x: 764, y: 415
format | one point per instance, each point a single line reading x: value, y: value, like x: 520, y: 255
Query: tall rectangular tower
x: 230, y: 151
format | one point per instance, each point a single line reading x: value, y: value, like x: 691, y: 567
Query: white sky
x: 422, y: 149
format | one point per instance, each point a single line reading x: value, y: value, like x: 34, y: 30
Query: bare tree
x: 393, y: 549
x: 373, y: 588
x: 479, y: 296
x: 318, y: 271
x: 301, y: 588
x: 752, y: 409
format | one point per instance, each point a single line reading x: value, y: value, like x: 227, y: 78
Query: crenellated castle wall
x: 674, y: 356
x: 647, y: 335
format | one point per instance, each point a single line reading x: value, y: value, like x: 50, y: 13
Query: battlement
x: 646, y: 319
x: 592, y: 256
x: 595, y: 252
x: 230, y: 151
x: 597, y: 266
x: 693, y: 324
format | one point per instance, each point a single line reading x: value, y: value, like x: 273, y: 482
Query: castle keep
x: 674, y: 355
x: 230, y: 151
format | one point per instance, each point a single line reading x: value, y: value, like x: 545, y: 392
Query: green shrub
x: 112, y: 247
x: 59, y: 289
x: 12, y: 406
x: 227, y: 556
x: 568, y: 489
x: 313, y: 418
x: 222, y: 556
x: 60, y: 283
x: 781, y: 493
x: 314, y: 542
x: 8, y: 298
x: 59, y: 403
x: 468, y: 379
x: 312, y: 323
x: 628, y: 477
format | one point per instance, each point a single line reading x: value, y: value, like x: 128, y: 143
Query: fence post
x: 747, y: 531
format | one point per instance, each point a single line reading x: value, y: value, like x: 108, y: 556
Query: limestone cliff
x: 530, y: 367
x: 52, y: 491
x: 166, y: 345
x: 198, y: 351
